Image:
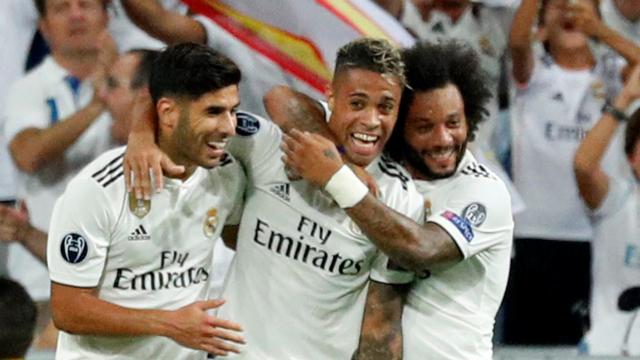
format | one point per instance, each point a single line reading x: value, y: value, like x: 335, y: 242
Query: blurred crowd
x: 561, y: 131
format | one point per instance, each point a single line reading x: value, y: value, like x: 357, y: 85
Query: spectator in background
x: 18, y: 19
x: 562, y: 86
x: 127, y: 79
x: 17, y: 320
x: 615, y: 204
x: 55, y: 122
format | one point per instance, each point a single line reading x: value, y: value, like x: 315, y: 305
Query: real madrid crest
x: 139, y: 207
x: 210, y: 222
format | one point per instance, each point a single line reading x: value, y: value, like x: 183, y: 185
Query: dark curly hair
x: 431, y: 66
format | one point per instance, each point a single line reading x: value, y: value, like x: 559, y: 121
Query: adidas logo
x: 139, y: 234
x: 282, y: 191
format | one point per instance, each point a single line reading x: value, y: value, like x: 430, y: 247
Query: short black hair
x: 431, y: 66
x: 18, y: 315
x: 143, y: 70
x: 41, y: 6
x: 377, y: 55
x: 190, y: 70
x: 632, y: 133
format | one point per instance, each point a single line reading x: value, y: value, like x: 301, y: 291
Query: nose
x: 76, y: 10
x: 441, y: 136
x: 228, y: 124
x: 372, y: 119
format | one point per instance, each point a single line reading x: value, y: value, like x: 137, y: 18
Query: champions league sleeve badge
x: 138, y: 207
x: 73, y: 248
x: 475, y: 213
x: 210, y: 222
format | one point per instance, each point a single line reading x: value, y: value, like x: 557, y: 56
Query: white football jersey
x: 450, y: 313
x: 153, y: 254
x: 40, y: 99
x: 615, y: 267
x: 299, y: 278
x: 553, y: 113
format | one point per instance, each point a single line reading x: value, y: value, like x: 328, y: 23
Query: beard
x: 416, y: 162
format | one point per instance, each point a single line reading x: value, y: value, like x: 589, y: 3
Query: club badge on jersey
x: 210, y: 222
x: 427, y: 209
x: 138, y: 207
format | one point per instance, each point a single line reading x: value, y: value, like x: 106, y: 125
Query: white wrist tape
x: 346, y: 188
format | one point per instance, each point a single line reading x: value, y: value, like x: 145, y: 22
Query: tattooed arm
x: 291, y: 109
x: 413, y: 246
x: 381, y: 334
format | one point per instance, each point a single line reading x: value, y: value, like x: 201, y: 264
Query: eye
x: 357, y: 104
x: 387, y: 107
x: 453, y: 123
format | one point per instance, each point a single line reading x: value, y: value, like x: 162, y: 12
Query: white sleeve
x: 256, y: 146
x: 79, y: 235
x: 22, y: 112
x: 239, y: 184
x: 477, y: 215
x: 620, y: 189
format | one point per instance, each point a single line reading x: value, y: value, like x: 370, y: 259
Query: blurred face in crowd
x: 199, y: 129
x: 629, y: 9
x: 436, y: 132
x: 558, y: 26
x: 364, y: 108
x: 73, y: 26
x: 452, y: 8
x: 119, y: 96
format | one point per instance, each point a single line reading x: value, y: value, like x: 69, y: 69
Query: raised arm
x: 381, y: 334
x: 521, y: 40
x: 593, y: 182
x: 80, y: 311
x: 413, y: 246
x: 165, y: 25
x: 15, y: 226
x: 587, y: 21
x: 291, y: 109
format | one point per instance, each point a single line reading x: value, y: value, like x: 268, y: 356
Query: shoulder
x: 249, y: 124
x: 390, y: 174
x: 104, y: 173
x: 478, y: 190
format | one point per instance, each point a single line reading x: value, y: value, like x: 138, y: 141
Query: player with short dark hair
x: 130, y: 278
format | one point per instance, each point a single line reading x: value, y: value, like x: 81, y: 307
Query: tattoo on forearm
x: 329, y: 154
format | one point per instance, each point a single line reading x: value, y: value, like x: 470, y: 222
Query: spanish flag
x: 301, y: 37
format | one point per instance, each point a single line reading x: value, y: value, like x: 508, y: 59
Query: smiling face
x: 559, y: 28
x: 436, y: 133
x: 195, y: 133
x: 364, y: 110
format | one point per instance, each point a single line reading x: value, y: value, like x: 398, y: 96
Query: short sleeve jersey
x: 553, y: 113
x: 154, y: 254
x: 615, y: 267
x: 450, y: 313
x: 43, y: 97
x: 298, y: 282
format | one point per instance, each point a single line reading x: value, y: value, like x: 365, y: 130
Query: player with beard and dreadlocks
x: 461, y: 254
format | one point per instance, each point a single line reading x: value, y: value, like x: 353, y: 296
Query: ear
x: 168, y: 113
x: 44, y: 28
x: 330, y: 96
